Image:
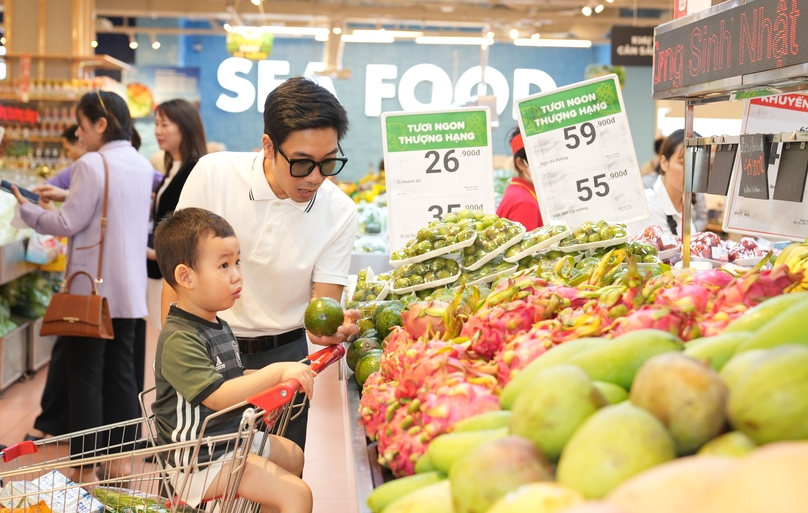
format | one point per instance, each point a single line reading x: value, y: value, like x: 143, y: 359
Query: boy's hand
x: 302, y: 373
x: 348, y: 329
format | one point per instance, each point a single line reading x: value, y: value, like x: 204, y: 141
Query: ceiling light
x: 227, y: 27
x: 94, y: 44
x: 587, y: 11
x: 132, y: 42
x: 446, y: 8
x: 294, y: 31
x: 391, y: 33
x: 610, y: 1
x: 514, y: 33
x: 156, y: 45
x: 535, y: 36
x: 490, y: 35
x: 256, y: 2
x: 378, y: 36
x: 2, y: 40
x: 321, y: 37
x: 437, y: 40
x: 337, y: 30
x: 599, y: 9
x: 558, y: 43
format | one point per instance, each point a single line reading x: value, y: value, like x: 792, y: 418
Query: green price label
x: 570, y: 107
x: 438, y: 131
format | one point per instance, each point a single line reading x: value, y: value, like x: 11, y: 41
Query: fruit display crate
x: 13, y: 352
x: 369, y: 474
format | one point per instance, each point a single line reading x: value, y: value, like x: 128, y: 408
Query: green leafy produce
x: 590, y: 232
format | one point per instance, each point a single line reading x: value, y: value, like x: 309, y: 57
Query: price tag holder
x: 754, y: 163
x: 581, y: 154
x: 435, y: 163
x: 781, y: 216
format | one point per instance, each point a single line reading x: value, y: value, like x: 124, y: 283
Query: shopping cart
x: 119, y: 468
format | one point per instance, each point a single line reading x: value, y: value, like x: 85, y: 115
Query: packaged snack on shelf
x: 488, y: 273
x: 424, y: 275
x: 746, y: 252
x: 437, y: 239
x: 494, y: 236
x: 668, y: 246
x: 594, y: 235
x: 537, y: 240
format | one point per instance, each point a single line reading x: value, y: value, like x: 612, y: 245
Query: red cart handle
x: 13, y: 452
x: 275, y: 397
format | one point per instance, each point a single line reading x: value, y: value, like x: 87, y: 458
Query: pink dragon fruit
x: 685, y: 298
x: 521, y: 351
x: 754, y: 287
x: 425, y: 319
x: 378, y: 403
x: 430, y: 366
x: 490, y: 329
x: 658, y: 318
x: 450, y: 403
x: 402, y: 441
x: 715, y: 278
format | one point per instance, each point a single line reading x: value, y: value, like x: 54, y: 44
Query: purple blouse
x: 131, y: 178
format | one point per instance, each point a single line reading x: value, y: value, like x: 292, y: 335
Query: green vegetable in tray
x: 492, y: 233
x: 590, y: 232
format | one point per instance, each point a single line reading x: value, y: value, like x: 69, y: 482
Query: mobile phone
x: 30, y: 196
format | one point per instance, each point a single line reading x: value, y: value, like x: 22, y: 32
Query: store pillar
x: 50, y: 31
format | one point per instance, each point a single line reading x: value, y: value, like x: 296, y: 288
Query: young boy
x: 198, y: 369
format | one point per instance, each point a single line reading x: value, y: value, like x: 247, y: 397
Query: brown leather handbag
x: 74, y: 315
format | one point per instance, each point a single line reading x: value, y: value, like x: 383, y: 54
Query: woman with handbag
x: 180, y: 133
x: 105, y: 214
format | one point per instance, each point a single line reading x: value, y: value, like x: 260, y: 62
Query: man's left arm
x: 330, y: 277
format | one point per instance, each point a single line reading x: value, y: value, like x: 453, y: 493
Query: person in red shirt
x: 519, y: 203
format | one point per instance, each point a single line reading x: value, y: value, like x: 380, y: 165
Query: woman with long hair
x: 101, y: 373
x: 181, y: 135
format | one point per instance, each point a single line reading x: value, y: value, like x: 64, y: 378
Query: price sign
x: 780, y: 216
x: 581, y: 155
x: 435, y: 163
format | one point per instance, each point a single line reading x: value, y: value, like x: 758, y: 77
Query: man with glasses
x: 296, y: 228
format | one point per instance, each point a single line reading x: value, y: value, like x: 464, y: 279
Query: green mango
x: 556, y: 403
x: 737, y: 366
x: 434, y: 498
x: 554, y: 356
x: 769, y: 403
x: 424, y: 464
x: 618, y: 361
x: 757, y: 317
x: 614, y: 444
x: 445, y: 449
x: 488, y: 420
x: 788, y: 327
x: 611, y: 392
x: 384, y: 494
x: 734, y: 445
x: 717, y: 350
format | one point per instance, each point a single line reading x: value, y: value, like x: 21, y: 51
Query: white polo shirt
x: 660, y: 207
x: 286, y: 246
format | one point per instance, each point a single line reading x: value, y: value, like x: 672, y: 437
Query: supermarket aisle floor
x: 328, y: 471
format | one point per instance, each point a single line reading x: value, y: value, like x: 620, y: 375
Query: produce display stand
x: 719, y: 54
x: 367, y: 470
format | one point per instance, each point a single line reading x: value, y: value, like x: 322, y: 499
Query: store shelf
x: 87, y: 61
x: 359, y: 443
x: 12, y: 261
x: 41, y: 97
x: 35, y: 139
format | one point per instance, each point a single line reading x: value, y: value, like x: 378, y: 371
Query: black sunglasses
x: 303, y: 167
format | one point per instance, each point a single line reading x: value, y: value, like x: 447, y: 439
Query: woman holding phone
x: 181, y: 135
x: 100, y: 373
